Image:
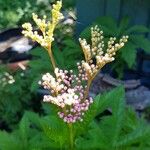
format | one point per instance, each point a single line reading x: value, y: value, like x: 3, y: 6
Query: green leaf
x: 24, y: 130
x: 55, y: 129
x: 38, y: 51
x: 72, y: 52
x: 136, y: 136
x: 141, y: 42
x: 40, y: 142
x: 138, y: 29
x: 107, y: 100
x: 123, y: 25
x: 35, y: 85
x: 114, y: 123
x: 131, y: 119
x: 41, y: 61
x: 34, y: 119
x: 93, y: 139
x: 128, y: 53
x: 70, y: 43
x: 118, y: 114
x: 8, y: 142
x: 86, y: 33
x: 108, y: 25
x: 58, y: 56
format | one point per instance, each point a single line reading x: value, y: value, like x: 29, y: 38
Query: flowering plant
x: 70, y: 91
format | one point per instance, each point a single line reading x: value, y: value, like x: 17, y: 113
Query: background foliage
x: 13, y: 14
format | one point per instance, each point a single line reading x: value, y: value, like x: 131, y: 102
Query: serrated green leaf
x: 131, y: 119
x: 114, y: 123
x: 41, y: 142
x: 55, y: 129
x: 128, y: 53
x: 118, y: 114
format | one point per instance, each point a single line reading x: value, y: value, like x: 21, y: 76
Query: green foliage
x: 17, y: 12
x: 35, y: 132
x: 72, y: 53
x: 14, y: 98
x: 56, y: 130
x: 126, y: 57
x: 120, y: 130
x: 26, y: 136
x: 13, y: 14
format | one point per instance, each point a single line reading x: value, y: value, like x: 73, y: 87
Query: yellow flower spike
x: 56, y: 16
x: 47, y: 29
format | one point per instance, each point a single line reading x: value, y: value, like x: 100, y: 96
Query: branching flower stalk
x: 68, y: 91
x: 95, y: 51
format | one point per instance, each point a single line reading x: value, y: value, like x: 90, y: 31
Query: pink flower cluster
x: 76, y: 112
x: 68, y: 93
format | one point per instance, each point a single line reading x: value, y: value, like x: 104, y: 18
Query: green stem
x: 61, y: 147
x: 71, y: 137
x: 87, y: 89
x: 51, y: 57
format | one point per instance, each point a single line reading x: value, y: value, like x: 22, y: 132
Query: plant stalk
x: 71, y: 137
x: 51, y: 57
x: 88, y: 85
x: 87, y: 89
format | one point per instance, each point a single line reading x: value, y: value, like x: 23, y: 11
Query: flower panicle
x: 67, y: 93
x: 96, y: 51
x: 47, y: 28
